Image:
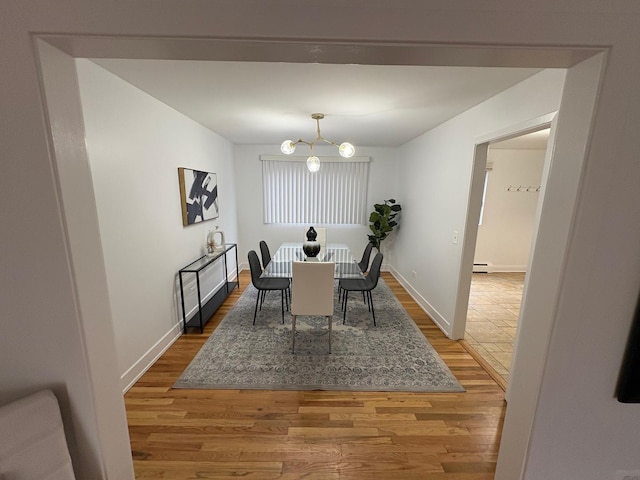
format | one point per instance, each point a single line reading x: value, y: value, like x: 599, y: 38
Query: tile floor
x: 494, y: 305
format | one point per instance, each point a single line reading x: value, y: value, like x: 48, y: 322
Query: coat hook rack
x: 520, y: 188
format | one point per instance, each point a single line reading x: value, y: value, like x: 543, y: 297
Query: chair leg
x: 330, y: 322
x: 255, y: 311
x: 293, y: 334
x: 346, y: 297
x: 372, y: 310
x: 263, y: 294
x: 286, y: 298
x: 282, y: 304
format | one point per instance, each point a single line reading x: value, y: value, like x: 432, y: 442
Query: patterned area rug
x: 393, y: 356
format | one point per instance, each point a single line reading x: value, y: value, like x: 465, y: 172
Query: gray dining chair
x: 365, y: 285
x: 366, y: 256
x: 363, y: 264
x: 266, y: 284
x: 266, y: 258
x: 264, y: 253
x: 311, y: 293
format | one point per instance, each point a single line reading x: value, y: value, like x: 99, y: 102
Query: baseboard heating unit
x: 482, y: 268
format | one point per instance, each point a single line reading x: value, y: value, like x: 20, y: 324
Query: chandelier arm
x: 288, y: 149
x: 329, y: 142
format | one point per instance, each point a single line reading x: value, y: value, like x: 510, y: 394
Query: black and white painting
x: 198, y: 194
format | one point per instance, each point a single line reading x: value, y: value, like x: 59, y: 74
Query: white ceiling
x: 268, y: 102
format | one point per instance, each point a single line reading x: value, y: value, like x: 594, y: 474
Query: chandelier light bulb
x: 346, y: 150
x: 313, y: 163
x: 288, y: 147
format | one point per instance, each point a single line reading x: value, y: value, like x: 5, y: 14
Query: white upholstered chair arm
x: 32, y: 440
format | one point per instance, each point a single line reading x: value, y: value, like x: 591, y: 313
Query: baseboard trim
x: 139, y: 368
x: 441, y: 322
x: 133, y: 374
x: 508, y: 268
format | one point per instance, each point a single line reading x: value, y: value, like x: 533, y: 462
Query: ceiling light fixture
x: 345, y: 149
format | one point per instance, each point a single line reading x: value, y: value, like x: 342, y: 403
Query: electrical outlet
x: 414, y: 274
x: 454, y: 239
x: 628, y: 475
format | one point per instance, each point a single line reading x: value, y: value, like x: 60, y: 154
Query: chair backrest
x: 312, y: 288
x: 374, y: 271
x: 264, y: 252
x: 322, y: 237
x: 254, y: 266
x: 366, y: 255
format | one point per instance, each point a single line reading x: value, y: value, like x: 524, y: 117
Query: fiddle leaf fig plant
x: 382, y: 221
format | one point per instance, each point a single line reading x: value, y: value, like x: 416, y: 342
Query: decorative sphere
x: 346, y: 150
x: 313, y: 163
x: 288, y: 147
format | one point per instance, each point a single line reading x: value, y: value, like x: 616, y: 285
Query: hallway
x: 494, y: 306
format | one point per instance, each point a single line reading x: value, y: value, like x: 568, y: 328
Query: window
x: 336, y: 194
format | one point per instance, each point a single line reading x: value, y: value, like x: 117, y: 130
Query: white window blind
x: 336, y: 194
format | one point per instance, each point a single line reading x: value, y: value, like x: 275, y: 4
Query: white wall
x: 436, y: 173
x: 383, y: 178
x: 504, y: 237
x: 135, y: 145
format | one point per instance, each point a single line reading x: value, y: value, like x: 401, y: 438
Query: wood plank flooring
x: 221, y: 434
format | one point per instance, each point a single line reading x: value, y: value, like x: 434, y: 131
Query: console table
x: 208, y: 309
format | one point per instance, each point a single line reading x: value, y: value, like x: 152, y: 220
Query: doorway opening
x: 512, y: 185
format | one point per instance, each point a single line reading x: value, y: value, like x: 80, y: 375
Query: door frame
x: 475, y: 203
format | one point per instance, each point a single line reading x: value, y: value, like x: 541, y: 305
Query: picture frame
x: 198, y: 195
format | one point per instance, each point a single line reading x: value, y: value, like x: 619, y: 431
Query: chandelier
x: 345, y: 149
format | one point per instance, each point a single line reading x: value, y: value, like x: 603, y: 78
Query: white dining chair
x: 311, y: 293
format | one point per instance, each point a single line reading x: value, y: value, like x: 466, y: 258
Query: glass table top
x: 205, y: 260
x: 281, y: 262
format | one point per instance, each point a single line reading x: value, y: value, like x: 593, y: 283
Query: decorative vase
x: 217, y: 236
x: 311, y: 247
x: 215, y: 242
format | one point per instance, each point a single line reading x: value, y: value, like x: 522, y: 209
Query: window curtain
x: 336, y: 194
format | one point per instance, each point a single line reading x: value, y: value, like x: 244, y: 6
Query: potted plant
x: 382, y: 221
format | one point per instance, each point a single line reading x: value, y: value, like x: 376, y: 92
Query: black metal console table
x: 208, y: 309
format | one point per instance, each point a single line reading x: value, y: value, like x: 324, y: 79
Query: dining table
x: 281, y: 264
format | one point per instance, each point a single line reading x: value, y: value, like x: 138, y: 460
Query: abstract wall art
x: 198, y: 195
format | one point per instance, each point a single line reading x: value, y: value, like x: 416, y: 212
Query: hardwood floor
x: 215, y: 434
x: 492, y: 320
